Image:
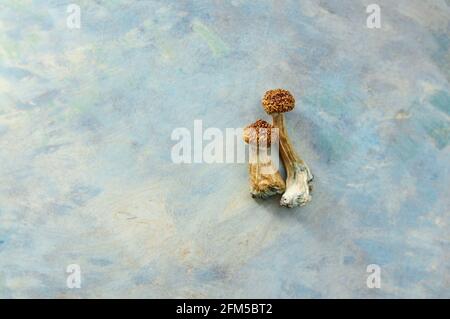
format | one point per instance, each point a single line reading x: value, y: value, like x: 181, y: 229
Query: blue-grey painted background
x: 86, y: 177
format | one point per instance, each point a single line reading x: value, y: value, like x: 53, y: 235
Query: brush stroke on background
x: 86, y: 117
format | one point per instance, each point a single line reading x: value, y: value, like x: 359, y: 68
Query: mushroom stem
x: 298, y: 174
x: 265, y: 180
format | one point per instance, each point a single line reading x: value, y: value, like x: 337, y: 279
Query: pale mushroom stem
x: 298, y: 174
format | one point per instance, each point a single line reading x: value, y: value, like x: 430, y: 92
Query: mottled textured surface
x: 86, y: 175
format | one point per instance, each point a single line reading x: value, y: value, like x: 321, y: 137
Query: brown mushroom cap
x: 278, y: 101
x: 258, y: 133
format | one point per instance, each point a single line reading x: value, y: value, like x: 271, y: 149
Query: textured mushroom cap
x: 278, y: 101
x: 258, y: 133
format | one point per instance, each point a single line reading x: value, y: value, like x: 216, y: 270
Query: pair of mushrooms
x: 265, y: 179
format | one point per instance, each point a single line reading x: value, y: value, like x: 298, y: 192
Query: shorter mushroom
x: 265, y: 180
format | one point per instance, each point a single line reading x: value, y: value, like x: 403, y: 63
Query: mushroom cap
x: 278, y: 101
x: 258, y: 133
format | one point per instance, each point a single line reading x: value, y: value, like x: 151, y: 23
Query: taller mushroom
x: 275, y: 103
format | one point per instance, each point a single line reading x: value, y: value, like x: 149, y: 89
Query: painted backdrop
x: 86, y: 176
